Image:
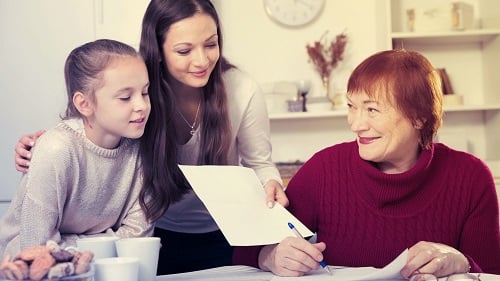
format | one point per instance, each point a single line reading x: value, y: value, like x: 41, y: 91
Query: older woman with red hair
x: 392, y: 188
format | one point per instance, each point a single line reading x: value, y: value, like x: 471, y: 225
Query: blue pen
x: 297, y: 233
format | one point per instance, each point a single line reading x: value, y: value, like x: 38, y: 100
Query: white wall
x: 271, y: 52
x: 34, y: 42
x: 36, y: 37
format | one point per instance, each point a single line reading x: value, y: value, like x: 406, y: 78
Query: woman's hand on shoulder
x: 22, y: 150
x: 435, y: 258
x: 275, y: 193
x: 292, y: 257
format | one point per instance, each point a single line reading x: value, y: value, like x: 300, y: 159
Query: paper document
x: 224, y: 273
x: 389, y: 272
x: 236, y: 200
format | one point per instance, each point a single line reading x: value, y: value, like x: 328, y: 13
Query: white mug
x: 117, y: 269
x: 101, y: 246
x: 146, y: 249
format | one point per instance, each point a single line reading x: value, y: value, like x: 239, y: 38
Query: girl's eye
x: 372, y: 110
x: 124, y: 98
x: 145, y: 94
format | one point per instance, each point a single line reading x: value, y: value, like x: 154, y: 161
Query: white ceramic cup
x: 146, y: 249
x: 102, y: 246
x: 117, y: 269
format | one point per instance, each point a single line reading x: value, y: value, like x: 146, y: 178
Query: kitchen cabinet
x: 471, y: 58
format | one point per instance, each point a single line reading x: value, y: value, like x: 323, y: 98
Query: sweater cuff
x: 247, y: 255
x: 474, y: 267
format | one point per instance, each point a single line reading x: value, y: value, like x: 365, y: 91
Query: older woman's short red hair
x: 409, y: 82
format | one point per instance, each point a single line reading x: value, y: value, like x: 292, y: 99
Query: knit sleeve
x: 135, y: 223
x: 37, y: 223
x: 480, y: 240
x: 303, y: 192
x: 246, y: 255
x: 45, y: 191
x: 249, y: 117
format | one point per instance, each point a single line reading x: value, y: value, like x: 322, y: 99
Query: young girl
x: 85, y: 174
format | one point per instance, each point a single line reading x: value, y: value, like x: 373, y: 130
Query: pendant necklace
x: 192, y: 131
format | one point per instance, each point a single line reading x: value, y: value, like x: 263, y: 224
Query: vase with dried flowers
x: 326, y: 56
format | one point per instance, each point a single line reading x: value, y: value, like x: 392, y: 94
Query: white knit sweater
x: 74, y: 189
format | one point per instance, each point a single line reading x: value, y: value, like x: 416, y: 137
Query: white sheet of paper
x: 389, y: 272
x: 236, y: 200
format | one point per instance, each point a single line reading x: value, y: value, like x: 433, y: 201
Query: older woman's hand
x: 292, y: 257
x: 274, y: 192
x: 437, y: 259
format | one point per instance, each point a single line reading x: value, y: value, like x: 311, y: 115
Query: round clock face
x: 293, y: 12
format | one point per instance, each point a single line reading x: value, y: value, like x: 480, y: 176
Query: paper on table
x: 236, y: 200
x: 224, y: 273
x: 389, y: 272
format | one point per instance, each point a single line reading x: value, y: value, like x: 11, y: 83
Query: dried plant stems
x: 326, y: 57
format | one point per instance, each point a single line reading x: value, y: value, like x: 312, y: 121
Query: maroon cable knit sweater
x: 367, y: 218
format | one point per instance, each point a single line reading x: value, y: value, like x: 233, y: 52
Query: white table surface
x: 225, y: 273
x: 246, y: 273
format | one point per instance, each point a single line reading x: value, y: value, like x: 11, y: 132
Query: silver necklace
x: 192, y: 131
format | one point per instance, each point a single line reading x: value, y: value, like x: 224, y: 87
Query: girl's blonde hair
x: 84, y: 66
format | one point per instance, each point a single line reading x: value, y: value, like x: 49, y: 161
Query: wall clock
x: 293, y: 12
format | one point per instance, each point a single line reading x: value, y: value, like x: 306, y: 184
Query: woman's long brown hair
x: 164, y: 183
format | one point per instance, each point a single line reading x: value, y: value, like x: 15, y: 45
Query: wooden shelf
x: 307, y: 115
x: 343, y: 112
x: 464, y: 108
x: 447, y: 37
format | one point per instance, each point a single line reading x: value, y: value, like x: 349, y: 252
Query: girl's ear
x: 83, y: 104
